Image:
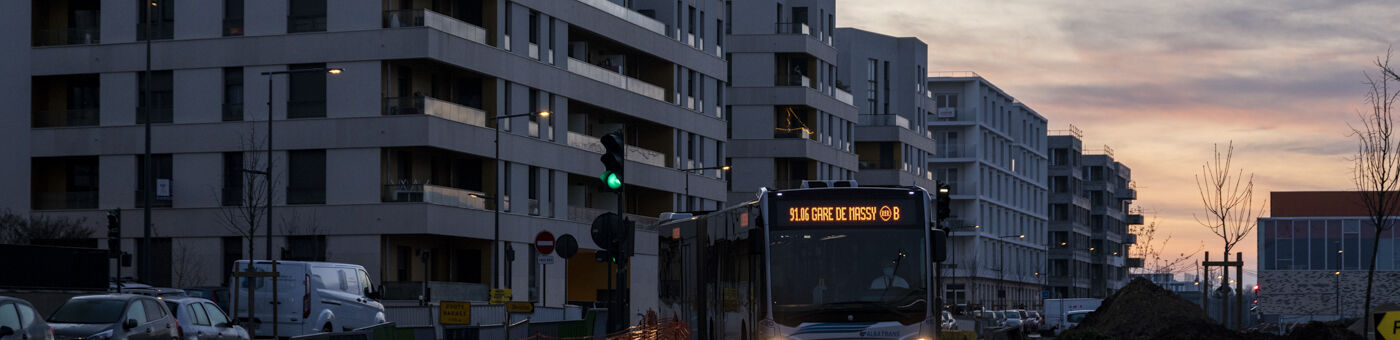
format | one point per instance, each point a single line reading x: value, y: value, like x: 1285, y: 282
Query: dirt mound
x: 1143, y: 310
x: 1324, y: 330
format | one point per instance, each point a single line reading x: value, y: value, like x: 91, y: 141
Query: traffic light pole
x: 620, y: 297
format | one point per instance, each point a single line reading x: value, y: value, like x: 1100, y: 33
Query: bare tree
x: 1228, y: 196
x: 1376, y: 171
x: 294, y: 224
x: 18, y: 229
x: 188, y: 266
x: 1152, y: 247
x: 245, y: 216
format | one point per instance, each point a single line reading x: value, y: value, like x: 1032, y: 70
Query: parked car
x: 112, y: 287
x: 315, y: 297
x: 1036, y: 319
x: 113, y: 316
x: 1014, y: 319
x: 201, y: 319
x: 157, y: 292
x: 19, y: 321
x: 948, y: 321
x: 219, y: 295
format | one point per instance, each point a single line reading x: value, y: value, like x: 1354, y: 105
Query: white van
x: 313, y: 297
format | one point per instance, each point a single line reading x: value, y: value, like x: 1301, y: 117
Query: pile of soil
x: 1324, y: 330
x: 1144, y: 310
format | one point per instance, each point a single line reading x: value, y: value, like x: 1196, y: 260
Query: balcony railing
x: 794, y: 133
x: 434, y: 107
x: 844, y: 97
x: 297, y: 195
x: 69, y: 117
x: 794, y: 80
x: 423, y: 17
x: 233, y: 112
x: 616, y: 79
x: 951, y: 150
x: 628, y: 15
x: 635, y: 154
x: 793, y: 28
x: 306, y: 23
x: 233, y: 27
x: 66, y: 36
x: 65, y: 200
x: 435, y: 194
x: 884, y: 120
x: 586, y: 215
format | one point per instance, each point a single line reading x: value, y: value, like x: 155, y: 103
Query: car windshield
x: 1013, y: 315
x: 848, y: 270
x: 1076, y: 317
x: 88, y: 311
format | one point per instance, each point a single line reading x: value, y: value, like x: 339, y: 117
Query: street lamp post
x: 267, y: 176
x: 496, y: 216
x: 1338, y: 274
x: 1002, y: 269
x: 687, y: 180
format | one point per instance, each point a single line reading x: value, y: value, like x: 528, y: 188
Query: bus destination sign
x: 847, y: 212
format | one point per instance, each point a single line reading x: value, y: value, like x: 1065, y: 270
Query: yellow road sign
x: 455, y: 313
x: 500, y: 292
x: 520, y: 307
x: 1388, y: 326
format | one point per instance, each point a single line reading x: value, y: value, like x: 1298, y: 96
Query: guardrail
x: 434, y: 107
x: 616, y: 79
x: 628, y: 15
x: 635, y: 154
x: 423, y: 17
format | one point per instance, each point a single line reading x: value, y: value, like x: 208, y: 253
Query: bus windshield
x: 830, y: 274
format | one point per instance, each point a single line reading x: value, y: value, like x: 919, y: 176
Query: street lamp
x: 496, y: 216
x: 687, y: 180
x: 1002, y: 268
x: 1338, y: 274
x: 267, y: 175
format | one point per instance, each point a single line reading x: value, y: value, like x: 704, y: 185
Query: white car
x: 201, y: 319
x: 314, y: 297
x: 1073, y: 318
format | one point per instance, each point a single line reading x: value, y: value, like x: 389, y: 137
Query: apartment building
x: 992, y: 152
x: 1090, y: 212
x: 390, y: 161
x: 886, y: 76
x: 789, y: 119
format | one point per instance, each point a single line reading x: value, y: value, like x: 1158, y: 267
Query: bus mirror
x: 938, y: 239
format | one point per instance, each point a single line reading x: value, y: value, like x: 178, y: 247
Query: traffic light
x: 613, y: 158
x: 942, y: 200
x: 114, y: 231
x: 613, y: 234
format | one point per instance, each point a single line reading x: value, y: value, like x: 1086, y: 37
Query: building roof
x: 1316, y: 204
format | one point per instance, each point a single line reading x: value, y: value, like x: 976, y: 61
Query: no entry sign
x: 544, y: 242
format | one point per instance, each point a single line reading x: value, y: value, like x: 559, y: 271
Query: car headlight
x: 103, y: 335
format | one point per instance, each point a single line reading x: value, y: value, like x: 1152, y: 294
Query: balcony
x: 66, y: 36
x: 615, y: 79
x: 1135, y: 262
x: 635, y: 154
x: 65, y: 200
x: 793, y: 28
x: 427, y: 18
x: 1127, y: 193
x: 438, y: 195
x: 884, y: 120
x: 70, y: 117
x: 394, y: 106
x: 794, y: 80
x: 1134, y: 219
x: 586, y: 215
x: 952, y: 150
x: 1130, y: 239
x: 628, y: 15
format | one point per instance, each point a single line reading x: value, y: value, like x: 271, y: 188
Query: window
x: 216, y: 315
x: 196, y: 310
x: 534, y: 193
x: 233, y: 18
x: 233, y: 94
x: 162, y: 21
x: 233, y: 179
x: 233, y: 251
x: 306, y: 178
x: 136, y: 312
x: 306, y: 16
x: 534, y: 27
x: 9, y: 316
x: 162, y: 97
x: 161, y: 165
x: 306, y: 95
x: 305, y: 248
x: 870, y: 85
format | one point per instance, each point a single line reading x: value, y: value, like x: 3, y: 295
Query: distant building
x: 1090, y: 196
x: 1314, y: 253
x: 991, y: 150
x: 1168, y: 281
x: 885, y: 75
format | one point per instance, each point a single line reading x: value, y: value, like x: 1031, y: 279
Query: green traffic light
x: 611, y: 180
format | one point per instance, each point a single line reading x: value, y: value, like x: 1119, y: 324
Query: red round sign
x: 544, y: 242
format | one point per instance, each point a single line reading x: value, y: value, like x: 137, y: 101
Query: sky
x: 1163, y: 82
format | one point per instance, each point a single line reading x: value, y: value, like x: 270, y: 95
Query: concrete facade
x: 991, y: 150
x: 885, y: 75
x: 789, y: 119
x: 403, y: 137
x: 1090, y: 197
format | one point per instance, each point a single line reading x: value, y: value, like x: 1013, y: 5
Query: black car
x: 19, y: 321
x: 113, y: 316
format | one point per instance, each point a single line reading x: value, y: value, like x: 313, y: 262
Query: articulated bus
x: 810, y: 263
